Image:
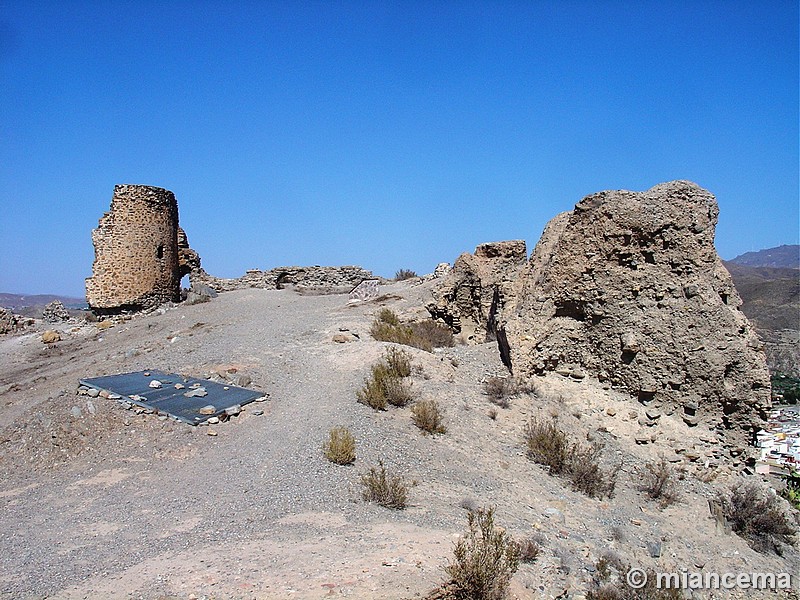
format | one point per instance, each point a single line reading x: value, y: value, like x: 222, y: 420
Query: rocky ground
x: 101, y: 502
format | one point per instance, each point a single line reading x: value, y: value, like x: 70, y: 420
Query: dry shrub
x: 529, y: 550
x: 398, y: 361
x: 492, y: 414
x: 432, y: 334
x: 485, y: 559
x: 340, y: 447
x: 403, y: 274
x: 610, y: 582
x: 586, y: 473
x: 398, y: 392
x: 373, y: 393
x: 759, y: 516
x: 384, y: 488
x: 547, y: 445
x: 581, y: 464
x: 659, y: 482
x: 387, y: 316
x: 425, y: 335
x: 427, y: 415
x: 385, y: 384
x: 500, y: 390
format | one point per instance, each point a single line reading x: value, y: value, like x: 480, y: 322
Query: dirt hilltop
x: 100, y: 502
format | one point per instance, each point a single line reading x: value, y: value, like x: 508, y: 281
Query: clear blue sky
x: 385, y: 134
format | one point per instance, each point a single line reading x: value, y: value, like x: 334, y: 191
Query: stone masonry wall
x: 136, y: 251
x: 327, y: 279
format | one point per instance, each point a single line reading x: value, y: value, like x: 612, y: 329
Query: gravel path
x: 118, y: 505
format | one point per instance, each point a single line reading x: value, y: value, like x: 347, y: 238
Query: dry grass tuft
x: 500, y: 390
x: 340, y: 447
x: 759, y: 516
x: 427, y: 415
x: 425, y: 335
x: 403, y: 274
x: 386, y: 384
x: 659, y: 482
x: 384, y: 488
x: 485, y: 559
x: 529, y: 550
x: 579, y: 463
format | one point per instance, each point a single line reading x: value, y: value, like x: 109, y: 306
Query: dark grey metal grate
x: 135, y: 388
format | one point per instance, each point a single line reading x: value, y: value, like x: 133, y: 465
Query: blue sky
x: 386, y: 134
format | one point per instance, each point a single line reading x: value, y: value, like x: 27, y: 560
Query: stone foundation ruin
x: 141, y: 255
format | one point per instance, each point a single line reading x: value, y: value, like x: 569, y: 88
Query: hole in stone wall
x: 160, y: 252
x: 185, y: 283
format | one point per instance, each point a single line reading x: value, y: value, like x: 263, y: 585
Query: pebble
x: 258, y: 413
x: 90, y: 407
x: 208, y: 410
x: 155, y: 383
x: 211, y: 432
x: 93, y: 392
x: 179, y: 386
x: 212, y: 420
x: 75, y: 411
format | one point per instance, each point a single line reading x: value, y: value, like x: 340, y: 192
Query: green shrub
x: 340, y: 447
x: 485, y: 559
x: 383, y: 488
x: 427, y: 415
x: 548, y: 445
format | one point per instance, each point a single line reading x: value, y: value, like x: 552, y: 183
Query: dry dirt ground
x: 99, y: 502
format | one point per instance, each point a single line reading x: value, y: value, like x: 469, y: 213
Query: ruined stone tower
x: 136, y: 263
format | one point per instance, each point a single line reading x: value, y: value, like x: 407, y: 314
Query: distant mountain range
x: 782, y: 257
x: 32, y: 305
x: 769, y: 283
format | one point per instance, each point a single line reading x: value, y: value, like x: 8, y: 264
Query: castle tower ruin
x: 136, y: 263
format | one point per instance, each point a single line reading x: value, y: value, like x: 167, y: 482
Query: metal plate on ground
x: 183, y: 403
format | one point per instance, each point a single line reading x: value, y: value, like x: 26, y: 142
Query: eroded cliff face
x: 473, y: 293
x: 629, y: 288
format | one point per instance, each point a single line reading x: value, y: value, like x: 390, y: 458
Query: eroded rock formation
x: 629, y: 288
x: 474, y: 291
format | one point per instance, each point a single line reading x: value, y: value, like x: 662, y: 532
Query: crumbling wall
x: 136, y: 251
x: 313, y: 278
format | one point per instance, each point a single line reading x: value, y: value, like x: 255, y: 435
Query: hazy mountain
x: 785, y: 257
x: 31, y: 305
x: 771, y: 300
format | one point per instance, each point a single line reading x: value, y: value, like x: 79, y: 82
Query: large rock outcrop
x: 629, y: 288
x: 474, y: 292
